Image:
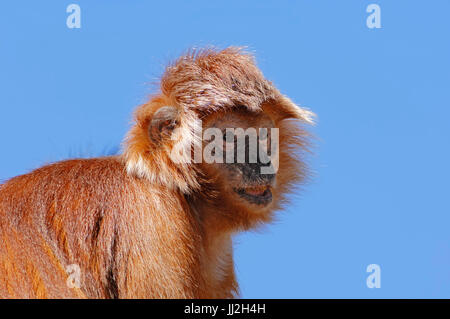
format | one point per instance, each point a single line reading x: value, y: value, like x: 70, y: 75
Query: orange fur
x: 139, y: 225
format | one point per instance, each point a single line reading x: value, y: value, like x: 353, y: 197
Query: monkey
x: 143, y: 223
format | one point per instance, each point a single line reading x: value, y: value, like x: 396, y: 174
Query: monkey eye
x: 263, y: 136
x: 228, y: 136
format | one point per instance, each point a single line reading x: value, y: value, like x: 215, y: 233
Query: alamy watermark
x: 374, y: 279
x: 373, y: 21
x: 74, y: 276
x: 73, y: 20
x: 229, y: 145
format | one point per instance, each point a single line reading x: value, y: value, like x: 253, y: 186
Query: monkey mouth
x: 259, y: 195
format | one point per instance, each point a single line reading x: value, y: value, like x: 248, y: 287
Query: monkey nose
x: 256, y: 170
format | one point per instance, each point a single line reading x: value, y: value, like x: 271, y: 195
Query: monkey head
x: 218, y: 131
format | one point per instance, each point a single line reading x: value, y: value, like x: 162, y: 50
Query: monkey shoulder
x: 83, y: 184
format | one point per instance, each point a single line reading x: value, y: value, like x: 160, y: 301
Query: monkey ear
x: 162, y: 124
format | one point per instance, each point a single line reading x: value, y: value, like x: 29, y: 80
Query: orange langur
x: 145, y: 224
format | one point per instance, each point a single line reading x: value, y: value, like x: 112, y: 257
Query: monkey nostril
x: 256, y: 171
x: 265, y: 163
x: 268, y: 177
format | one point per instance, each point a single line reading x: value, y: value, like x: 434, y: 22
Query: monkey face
x: 239, y: 152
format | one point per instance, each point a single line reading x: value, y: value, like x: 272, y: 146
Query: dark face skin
x: 245, y: 147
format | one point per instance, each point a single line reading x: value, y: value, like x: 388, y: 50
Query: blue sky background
x: 381, y: 188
